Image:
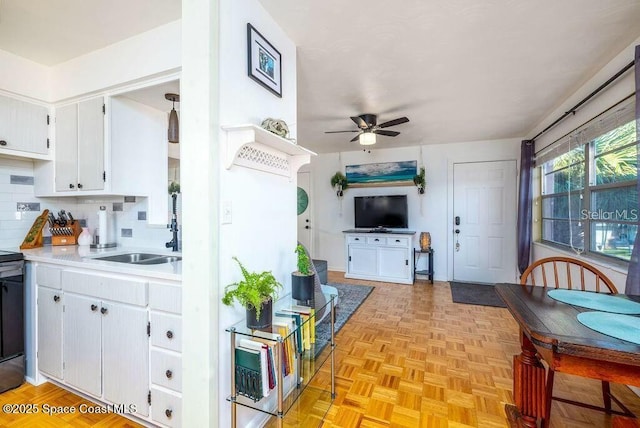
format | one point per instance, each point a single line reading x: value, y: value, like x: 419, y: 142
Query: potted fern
x: 302, y: 280
x: 255, y: 292
x: 420, y: 181
x: 340, y: 183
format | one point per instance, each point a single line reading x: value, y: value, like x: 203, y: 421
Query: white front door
x: 484, y: 223
x: 304, y: 209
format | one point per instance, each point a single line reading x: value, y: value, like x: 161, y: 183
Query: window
x: 589, y: 192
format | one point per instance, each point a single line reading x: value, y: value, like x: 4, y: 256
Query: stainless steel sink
x: 140, y: 258
x: 158, y: 260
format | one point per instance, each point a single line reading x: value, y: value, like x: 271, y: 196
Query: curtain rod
x: 587, y: 98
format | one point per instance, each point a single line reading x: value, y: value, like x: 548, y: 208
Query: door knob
x: 56, y: 298
x: 71, y: 186
x: 168, y: 413
x: 169, y: 374
x: 103, y: 311
x: 93, y: 308
x: 457, y: 230
x: 3, y: 143
x: 306, y: 227
x: 170, y: 334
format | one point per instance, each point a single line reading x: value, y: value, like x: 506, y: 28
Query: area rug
x: 350, y: 297
x: 475, y: 294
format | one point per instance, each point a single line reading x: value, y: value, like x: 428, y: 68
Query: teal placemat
x: 620, y: 326
x: 598, y: 301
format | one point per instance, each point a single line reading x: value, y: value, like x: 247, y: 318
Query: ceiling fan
x: 368, y: 128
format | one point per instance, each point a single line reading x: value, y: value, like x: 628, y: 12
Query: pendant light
x: 173, y: 131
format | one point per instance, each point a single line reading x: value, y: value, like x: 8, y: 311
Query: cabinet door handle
x: 93, y: 308
x: 376, y: 239
x: 397, y: 240
x: 56, y: 298
x: 71, y: 186
x: 3, y: 143
x: 356, y: 239
x: 169, y: 374
x: 170, y: 334
x: 79, y: 186
x: 104, y: 311
x: 168, y: 413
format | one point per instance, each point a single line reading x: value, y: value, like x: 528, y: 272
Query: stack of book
x: 255, y: 357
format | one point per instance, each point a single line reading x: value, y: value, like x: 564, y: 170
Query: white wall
x: 431, y: 212
x: 615, y: 92
x: 139, y: 57
x: 24, y: 77
x: 263, y: 229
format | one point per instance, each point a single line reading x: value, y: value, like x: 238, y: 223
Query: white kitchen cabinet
x: 380, y: 256
x: 23, y: 127
x: 79, y: 160
x: 50, y: 303
x: 165, y: 304
x: 82, y: 347
x: 106, y: 350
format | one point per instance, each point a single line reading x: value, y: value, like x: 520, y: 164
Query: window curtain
x: 525, y: 203
x: 633, y: 276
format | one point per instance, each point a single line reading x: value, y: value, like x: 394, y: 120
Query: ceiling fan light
x: 367, y: 139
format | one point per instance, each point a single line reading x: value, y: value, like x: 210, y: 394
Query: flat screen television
x: 381, y: 212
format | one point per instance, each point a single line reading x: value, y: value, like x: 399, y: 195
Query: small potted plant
x: 302, y: 280
x: 255, y: 292
x: 420, y: 181
x: 339, y: 182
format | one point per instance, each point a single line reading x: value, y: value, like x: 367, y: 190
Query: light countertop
x: 84, y: 257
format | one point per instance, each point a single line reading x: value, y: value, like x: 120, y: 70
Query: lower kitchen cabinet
x: 106, y: 350
x: 115, y: 337
x: 50, y: 302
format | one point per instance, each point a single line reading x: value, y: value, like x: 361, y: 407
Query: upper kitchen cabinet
x: 23, y: 128
x: 79, y: 159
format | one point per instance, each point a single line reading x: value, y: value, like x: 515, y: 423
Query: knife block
x: 67, y: 235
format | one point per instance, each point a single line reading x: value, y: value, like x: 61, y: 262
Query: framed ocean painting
x: 382, y: 174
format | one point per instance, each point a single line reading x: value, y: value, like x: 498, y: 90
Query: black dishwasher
x: 11, y: 320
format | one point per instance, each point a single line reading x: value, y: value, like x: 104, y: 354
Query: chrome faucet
x: 173, y: 227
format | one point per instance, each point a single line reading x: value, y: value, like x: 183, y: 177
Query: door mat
x: 350, y: 297
x: 475, y: 294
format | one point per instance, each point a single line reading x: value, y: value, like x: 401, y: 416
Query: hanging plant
x: 420, y: 181
x: 339, y: 183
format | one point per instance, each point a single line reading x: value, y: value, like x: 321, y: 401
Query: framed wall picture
x: 264, y: 61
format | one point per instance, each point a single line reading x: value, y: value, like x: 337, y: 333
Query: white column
x: 199, y: 99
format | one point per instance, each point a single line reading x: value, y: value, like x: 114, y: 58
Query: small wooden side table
x: 417, y: 252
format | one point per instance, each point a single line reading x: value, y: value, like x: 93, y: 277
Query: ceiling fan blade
x: 359, y: 121
x: 393, y: 122
x: 337, y: 132
x: 387, y: 133
x: 356, y: 138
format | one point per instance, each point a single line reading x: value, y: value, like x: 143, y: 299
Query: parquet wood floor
x: 408, y: 357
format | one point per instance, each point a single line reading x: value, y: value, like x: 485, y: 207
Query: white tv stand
x: 379, y: 255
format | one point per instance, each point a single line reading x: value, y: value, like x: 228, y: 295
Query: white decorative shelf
x: 253, y: 147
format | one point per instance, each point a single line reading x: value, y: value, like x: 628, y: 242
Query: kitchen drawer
x: 165, y: 297
x: 166, y: 408
x: 398, y: 242
x: 166, y: 370
x: 376, y: 240
x: 166, y: 331
x: 48, y: 276
x: 117, y: 289
x: 356, y: 240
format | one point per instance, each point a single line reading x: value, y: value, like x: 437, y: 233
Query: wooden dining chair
x: 572, y: 274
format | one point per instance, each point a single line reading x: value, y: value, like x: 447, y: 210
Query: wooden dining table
x: 550, y: 331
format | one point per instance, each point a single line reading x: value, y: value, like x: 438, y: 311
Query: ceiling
x: 50, y: 32
x: 461, y: 70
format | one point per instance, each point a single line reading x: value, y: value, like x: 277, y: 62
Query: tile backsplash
x: 19, y: 208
